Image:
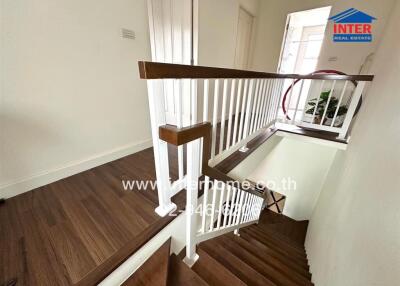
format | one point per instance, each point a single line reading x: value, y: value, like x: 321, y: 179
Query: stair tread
x: 288, y: 227
x: 279, y: 238
x: 284, y: 267
x: 235, y: 265
x: 154, y: 271
x: 290, y: 232
x: 279, y: 246
x: 181, y: 274
x: 213, y: 272
x: 272, y: 250
x: 266, y: 269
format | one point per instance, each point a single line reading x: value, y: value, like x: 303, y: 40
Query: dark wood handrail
x: 155, y: 70
x: 179, y: 136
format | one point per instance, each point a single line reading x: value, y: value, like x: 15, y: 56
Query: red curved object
x: 297, y: 80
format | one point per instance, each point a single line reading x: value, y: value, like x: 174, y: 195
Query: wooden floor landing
x: 74, y: 231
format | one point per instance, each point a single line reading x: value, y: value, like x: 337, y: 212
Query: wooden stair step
x: 213, y: 272
x: 270, y: 217
x: 154, y: 271
x: 279, y: 238
x: 235, y: 265
x: 279, y: 245
x: 286, y: 226
x: 272, y: 250
x: 180, y: 274
x: 280, y: 263
x: 292, y: 232
x: 272, y: 273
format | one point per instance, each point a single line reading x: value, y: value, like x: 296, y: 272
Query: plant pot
x: 338, y: 121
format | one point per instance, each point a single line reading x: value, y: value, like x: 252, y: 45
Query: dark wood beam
x: 155, y: 70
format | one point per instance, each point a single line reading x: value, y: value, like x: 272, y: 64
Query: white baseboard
x: 17, y: 187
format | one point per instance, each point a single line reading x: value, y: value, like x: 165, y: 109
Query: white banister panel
x: 230, y: 208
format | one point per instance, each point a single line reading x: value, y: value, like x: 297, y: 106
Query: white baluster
x: 317, y: 102
x: 328, y: 102
x: 221, y: 201
x: 214, y: 201
x: 264, y: 99
x: 253, y: 113
x: 231, y: 103
x: 242, y: 112
x: 239, y: 210
x: 298, y: 101
x: 270, y: 104
x: 289, y: 101
x: 226, y: 205
x: 205, y: 202
x: 248, y: 109
x: 215, y: 118
x: 179, y: 124
x: 278, y: 98
x: 235, y: 126
x: 245, y: 207
x: 339, y: 103
x: 266, y: 102
x: 205, y: 100
x: 234, y: 191
x: 259, y: 104
x: 222, y: 126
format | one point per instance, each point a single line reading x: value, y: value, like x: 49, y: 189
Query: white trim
x: 23, y: 185
x: 175, y: 229
x: 320, y: 127
x: 337, y: 145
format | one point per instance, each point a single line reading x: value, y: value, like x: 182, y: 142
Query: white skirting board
x: 12, y: 189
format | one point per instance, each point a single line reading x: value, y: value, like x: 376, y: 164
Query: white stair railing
x: 235, y: 106
x: 240, y: 105
x: 326, y: 103
x: 226, y: 208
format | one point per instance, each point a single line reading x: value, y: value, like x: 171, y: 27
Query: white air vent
x: 128, y: 34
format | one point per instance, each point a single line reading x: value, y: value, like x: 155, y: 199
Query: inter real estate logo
x: 352, y: 25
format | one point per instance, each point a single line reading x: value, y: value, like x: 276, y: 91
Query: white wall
x: 71, y: 97
x: 350, y: 56
x: 305, y: 164
x: 354, y: 233
x: 218, y: 28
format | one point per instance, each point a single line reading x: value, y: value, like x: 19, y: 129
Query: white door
x: 309, y: 48
x: 243, y: 39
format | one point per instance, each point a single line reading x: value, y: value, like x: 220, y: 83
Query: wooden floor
x: 75, y: 230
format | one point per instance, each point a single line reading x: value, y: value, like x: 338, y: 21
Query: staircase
x: 268, y: 253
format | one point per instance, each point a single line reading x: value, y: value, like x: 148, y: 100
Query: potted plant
x: 330, y: 113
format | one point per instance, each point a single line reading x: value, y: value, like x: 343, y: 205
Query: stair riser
x: 280, y: 264
x: 278, y: 247
x: 273, y: 237
x: 275, y: 252
x: 273, y: 274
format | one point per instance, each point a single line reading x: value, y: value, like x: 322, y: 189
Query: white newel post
x: 158, y: 118
x: 193, y: 174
